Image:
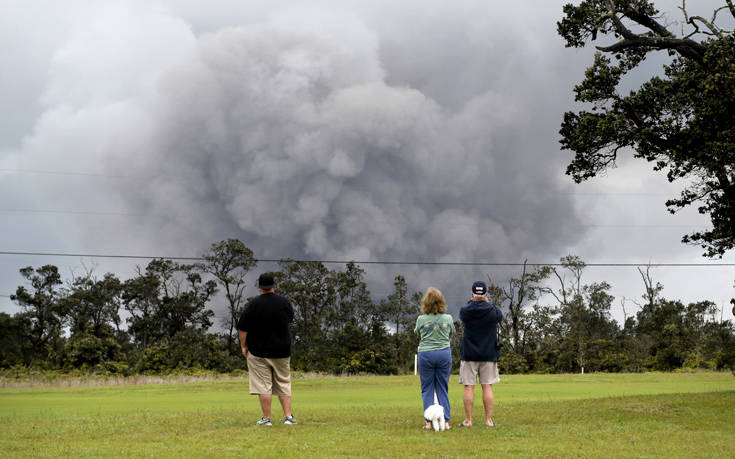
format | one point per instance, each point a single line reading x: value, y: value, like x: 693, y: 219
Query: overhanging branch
x: 731, y: 7
x: 664, y: 40
x: 685, y: 47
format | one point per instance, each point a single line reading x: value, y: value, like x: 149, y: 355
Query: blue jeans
x: 434, y: 370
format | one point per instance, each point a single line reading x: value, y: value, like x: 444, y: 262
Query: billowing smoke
x: 288, y: 135
x: 321, y: 136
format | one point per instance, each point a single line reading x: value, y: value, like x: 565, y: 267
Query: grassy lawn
x: 611, y: 415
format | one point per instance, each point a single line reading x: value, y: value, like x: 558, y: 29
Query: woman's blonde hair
x: 433, y: 302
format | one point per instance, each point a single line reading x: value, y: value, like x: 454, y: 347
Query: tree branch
x: 550, y: 291
x: 714, y: 15
x: 709, y: 25
x: 664, y: 40
x: 685, y: 47
x: 649, y: 23
x: 731, y: 7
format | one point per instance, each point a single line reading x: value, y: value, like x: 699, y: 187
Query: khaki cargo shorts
x: 269, y: 376
x: 471, y: 372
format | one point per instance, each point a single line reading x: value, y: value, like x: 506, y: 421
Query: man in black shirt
x: 265, y: 340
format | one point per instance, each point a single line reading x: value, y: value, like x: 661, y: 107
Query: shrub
x: 512, y: 363
x: 368, y: 361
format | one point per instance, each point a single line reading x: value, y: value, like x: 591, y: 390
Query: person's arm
x: 243, y: 343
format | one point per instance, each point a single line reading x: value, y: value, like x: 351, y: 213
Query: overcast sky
x: 339, y: 130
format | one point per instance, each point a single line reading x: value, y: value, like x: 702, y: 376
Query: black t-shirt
x: 266, y: 319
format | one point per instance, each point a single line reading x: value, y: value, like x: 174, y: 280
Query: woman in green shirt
x: 435, y: 357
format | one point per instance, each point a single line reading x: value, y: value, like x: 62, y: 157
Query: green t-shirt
x: 434, y: 330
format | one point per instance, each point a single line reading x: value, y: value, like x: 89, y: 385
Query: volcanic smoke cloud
x: 322, y: 136
x: 287, y: 135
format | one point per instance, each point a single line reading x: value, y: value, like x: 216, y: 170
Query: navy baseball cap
x: 479, y: 288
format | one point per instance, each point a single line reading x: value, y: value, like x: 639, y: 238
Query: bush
x: 87, y: 351
x: 113, y: 368
x: 512, y: 363
x: 368, y: 361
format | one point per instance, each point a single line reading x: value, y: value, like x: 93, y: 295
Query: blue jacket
x: 480, y: 339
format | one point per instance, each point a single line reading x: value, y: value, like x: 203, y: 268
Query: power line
x: 83, y: 174
x: 70, y: 173
x: 87, y: 255
x: 128, y: 214
x: 373, y: 262
x: 75, y: 212
x: 122, y: 176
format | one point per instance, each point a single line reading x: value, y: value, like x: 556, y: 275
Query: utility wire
x: 382, y: 262
x: 122, y: 176
x: 125, y: 214
x: 84, y: 174
x: 76, y: 212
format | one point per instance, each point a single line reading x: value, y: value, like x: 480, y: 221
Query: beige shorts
x: 269, y: 376
x: 470, y: 371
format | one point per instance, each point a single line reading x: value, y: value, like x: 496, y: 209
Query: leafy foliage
x: 555, y: 322
x: 229, y: 262
x: 681, y: 120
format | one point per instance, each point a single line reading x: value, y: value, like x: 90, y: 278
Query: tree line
x: 554, y: 322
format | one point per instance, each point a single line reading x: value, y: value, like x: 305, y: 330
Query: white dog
x: 435, y: 414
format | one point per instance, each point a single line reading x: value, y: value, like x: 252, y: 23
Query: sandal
x: 462, y: 424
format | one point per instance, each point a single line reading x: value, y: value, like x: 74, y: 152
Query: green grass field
x: 596, y: 415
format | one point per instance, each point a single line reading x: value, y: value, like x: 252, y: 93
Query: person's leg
x: 468, y: 378
x: 468, y: 398
x: 265, y: 404
x: 487, y: 401
x: 441, y: 381
x: 285, y: 404
x: 282, y: 383
x: 260, y: 377
x: 426, y: 375
x: 488, y: 372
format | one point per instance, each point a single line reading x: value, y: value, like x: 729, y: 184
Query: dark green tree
x: 229, y: 262
x: 353, y: 299
x: 337, y: 327
x: 681, y: 120
x: 400, y: 310
x: 312, y: 291
x: 185, y: 305
x: 140, y: 299
x: 167, y: 299
x: 584, y: 319
x: 515, y: 300
x: 15, y: 345
x: 91, y: 307
x: 356, y: 327
x: 41, y: 308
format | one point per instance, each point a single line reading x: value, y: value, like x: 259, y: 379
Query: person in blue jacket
x: 480, y: 352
